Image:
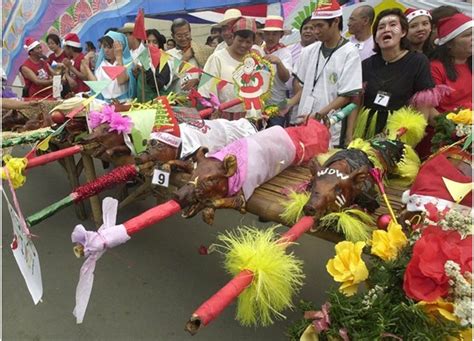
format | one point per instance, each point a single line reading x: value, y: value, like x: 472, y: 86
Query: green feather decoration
x: 278, y: 275
x: 361, y: 123
x: 355, y: 224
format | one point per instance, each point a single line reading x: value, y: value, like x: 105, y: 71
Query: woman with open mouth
x: 395, y: 76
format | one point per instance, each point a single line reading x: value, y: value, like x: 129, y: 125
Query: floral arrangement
x: 451, y: 128
x: 271, y: 111
x: 115, y: 120
x: 418, y: 285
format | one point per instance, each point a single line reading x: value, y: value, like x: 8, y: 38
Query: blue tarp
x: 169, y: 9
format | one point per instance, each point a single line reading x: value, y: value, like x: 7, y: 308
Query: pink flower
x: 120, y: 124
x: 95, y: 119
x: 321, y: 318
x: 107, y: 112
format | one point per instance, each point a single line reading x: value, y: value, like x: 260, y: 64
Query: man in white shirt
x: 360, y: 24
x: 329, y: 72
x: 280, y: 57
x: 186, y: 51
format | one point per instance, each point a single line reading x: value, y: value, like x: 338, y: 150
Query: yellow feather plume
x: 16, y: 168
x: 407, y: 168
x: 293, y: 207
x: 278, y: 275
x: 355, y: 224
x: 322, y: 158
x: 409, y: 118
x: 361, y: 123
x: 366, y: 148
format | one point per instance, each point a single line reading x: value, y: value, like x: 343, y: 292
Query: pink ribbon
x: 95, y: 244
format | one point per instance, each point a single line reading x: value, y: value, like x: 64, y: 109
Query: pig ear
x: 358, y: 176
x: 230, y: 165
x: 314, y: 166
x: 200, y: 154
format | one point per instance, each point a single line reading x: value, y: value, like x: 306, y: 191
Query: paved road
x: 144, y: 290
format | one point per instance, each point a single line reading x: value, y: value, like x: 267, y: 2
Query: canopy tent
x: 88, y: 18
x: 258, y: 12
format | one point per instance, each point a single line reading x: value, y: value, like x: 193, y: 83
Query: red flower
x: 425, y: 278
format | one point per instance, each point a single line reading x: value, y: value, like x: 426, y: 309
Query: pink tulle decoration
x: 120, y: 124
x: 430, y: 97
x: 95, y: 119
x: 107, y: 112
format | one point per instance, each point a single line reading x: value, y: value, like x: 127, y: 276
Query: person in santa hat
x: 451, y: 66
x: 36, y: 71
x: 72, y: 62
x: 451, y: 62
x: 419, y: 30
x: 328, y: 73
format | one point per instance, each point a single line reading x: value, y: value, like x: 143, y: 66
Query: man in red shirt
x: 36, y: 71
x: 72, y: 62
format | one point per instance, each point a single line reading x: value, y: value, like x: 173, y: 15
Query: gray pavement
x: 144, y: 290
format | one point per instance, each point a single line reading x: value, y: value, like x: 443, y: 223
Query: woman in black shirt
x: 394, y: 76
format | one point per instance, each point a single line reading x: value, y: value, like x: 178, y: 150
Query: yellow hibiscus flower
x: 348, y: 267
x: 462, y: 117
x: 387, y: 244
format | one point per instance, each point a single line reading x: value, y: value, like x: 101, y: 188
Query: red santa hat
x: 327, y: 10
x: 30, y: 44
x: 430, y: 187
x: 412, y: 13
x: 72, y: 39
x: 450, y: 27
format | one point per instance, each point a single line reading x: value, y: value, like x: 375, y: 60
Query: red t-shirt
x: 461, y: 96
x: 81, y: 86
x: 41, y: 70
x: 58, y: 59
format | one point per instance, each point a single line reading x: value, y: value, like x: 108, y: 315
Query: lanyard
x: 339, y: 44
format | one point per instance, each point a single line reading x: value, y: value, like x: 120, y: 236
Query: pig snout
x: 185, y: 195
x: 314, y: 207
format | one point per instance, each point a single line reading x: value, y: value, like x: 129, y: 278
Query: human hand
x: 118, y: 49
x: 67, y: 63
x: 188, y: 54
x: 136, y: 69
x: 272, y: 59
x: 188, y: 85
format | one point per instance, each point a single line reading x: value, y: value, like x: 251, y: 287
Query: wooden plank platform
x: 266, y: 201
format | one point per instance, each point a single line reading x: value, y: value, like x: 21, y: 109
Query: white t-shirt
x: 366, y: 48
x: 222, y: 65
x: 278, y: 92
x: 180, y: 78
x: 114, y: 90
x: 340, y: 75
